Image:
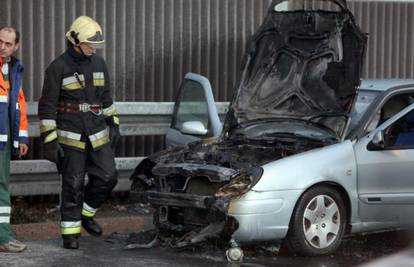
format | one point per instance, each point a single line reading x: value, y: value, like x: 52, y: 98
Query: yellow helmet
x: 85, y: 30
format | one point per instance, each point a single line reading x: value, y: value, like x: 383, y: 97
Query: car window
x: 394, y: 105
x: 401, y: 133
x: 192, y: 105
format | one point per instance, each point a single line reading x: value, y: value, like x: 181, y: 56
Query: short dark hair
x: 11, y: 29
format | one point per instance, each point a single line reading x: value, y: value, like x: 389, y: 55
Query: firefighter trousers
x: 78, y: 199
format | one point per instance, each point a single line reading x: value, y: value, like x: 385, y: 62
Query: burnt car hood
x: 301, y: 65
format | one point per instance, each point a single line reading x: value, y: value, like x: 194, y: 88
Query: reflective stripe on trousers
x: 88, y: 211
x: 70, y: 228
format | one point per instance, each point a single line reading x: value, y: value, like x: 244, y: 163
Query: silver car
x: 306, y: 153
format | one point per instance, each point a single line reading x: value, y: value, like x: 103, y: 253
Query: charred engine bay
x: 237, y: 153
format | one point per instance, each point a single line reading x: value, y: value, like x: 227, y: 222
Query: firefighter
x: 79, y: 129
x: 13, y: 128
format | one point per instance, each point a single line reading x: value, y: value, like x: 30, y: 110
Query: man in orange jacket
x: 13, y: 128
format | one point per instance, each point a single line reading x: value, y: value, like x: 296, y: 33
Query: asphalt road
x: 98, y: 252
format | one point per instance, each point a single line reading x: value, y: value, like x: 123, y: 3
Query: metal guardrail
x: 40, y: 177
x: 137, y: 118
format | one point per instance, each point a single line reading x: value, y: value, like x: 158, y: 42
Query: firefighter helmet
x: 85, y: 30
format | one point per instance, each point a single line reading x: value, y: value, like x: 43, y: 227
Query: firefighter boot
x: 92, y: 227
x: 70, y: 242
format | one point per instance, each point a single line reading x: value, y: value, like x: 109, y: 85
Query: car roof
x: 385, y: 84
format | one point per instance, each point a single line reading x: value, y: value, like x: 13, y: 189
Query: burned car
x: 289, y: 164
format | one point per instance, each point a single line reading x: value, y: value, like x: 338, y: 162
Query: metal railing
x: 40, y: 177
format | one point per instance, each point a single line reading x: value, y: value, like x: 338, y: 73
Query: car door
x: 385, y: 170
x: 195, y: 114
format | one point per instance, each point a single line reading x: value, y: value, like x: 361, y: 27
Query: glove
x: 53, y: 152
x: 114, y: 136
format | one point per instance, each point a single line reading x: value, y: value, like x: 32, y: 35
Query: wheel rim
x: 321, y: 221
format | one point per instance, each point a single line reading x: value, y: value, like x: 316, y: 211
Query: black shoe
x: 70, y: 242
x: 92, y: 227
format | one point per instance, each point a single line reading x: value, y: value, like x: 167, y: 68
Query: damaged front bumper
x: 253, y: 217
x: 194, y: 198
x: 197, y: 217
x: 263, y: 216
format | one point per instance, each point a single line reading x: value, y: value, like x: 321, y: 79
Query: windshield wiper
x: 332, y: 114
x: 261, y: 120
x: 323, y: 126
x: 307, y: 137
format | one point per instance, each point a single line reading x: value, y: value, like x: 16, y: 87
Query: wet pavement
x: 100, y: 252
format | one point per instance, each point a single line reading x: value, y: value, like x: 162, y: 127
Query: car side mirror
x: 378, y: 138
x: 377, y: 141
x: 194, y: 128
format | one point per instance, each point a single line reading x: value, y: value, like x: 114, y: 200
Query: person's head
x: 9, y: 41
x: 86, y: 35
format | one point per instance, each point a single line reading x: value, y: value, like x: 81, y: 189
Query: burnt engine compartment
x: 236, y: 152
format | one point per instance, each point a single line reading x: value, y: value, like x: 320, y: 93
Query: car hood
x: 302, y: 64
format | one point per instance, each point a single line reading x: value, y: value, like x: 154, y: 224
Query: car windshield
x: 364, y: 99
x: 281, y: 129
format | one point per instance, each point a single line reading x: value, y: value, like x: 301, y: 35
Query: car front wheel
x: 318, y: 222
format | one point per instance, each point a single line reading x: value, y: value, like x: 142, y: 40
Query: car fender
x: 331, y: 164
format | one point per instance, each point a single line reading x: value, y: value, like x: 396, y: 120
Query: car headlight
x: 241, y: 183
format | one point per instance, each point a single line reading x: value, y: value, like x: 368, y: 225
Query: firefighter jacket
x: 13, y: 111
x: 73, y: 80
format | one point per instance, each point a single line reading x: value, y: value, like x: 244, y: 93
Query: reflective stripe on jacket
x: 13, y: 106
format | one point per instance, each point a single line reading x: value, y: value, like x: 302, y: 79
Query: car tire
x: 318, y: 222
